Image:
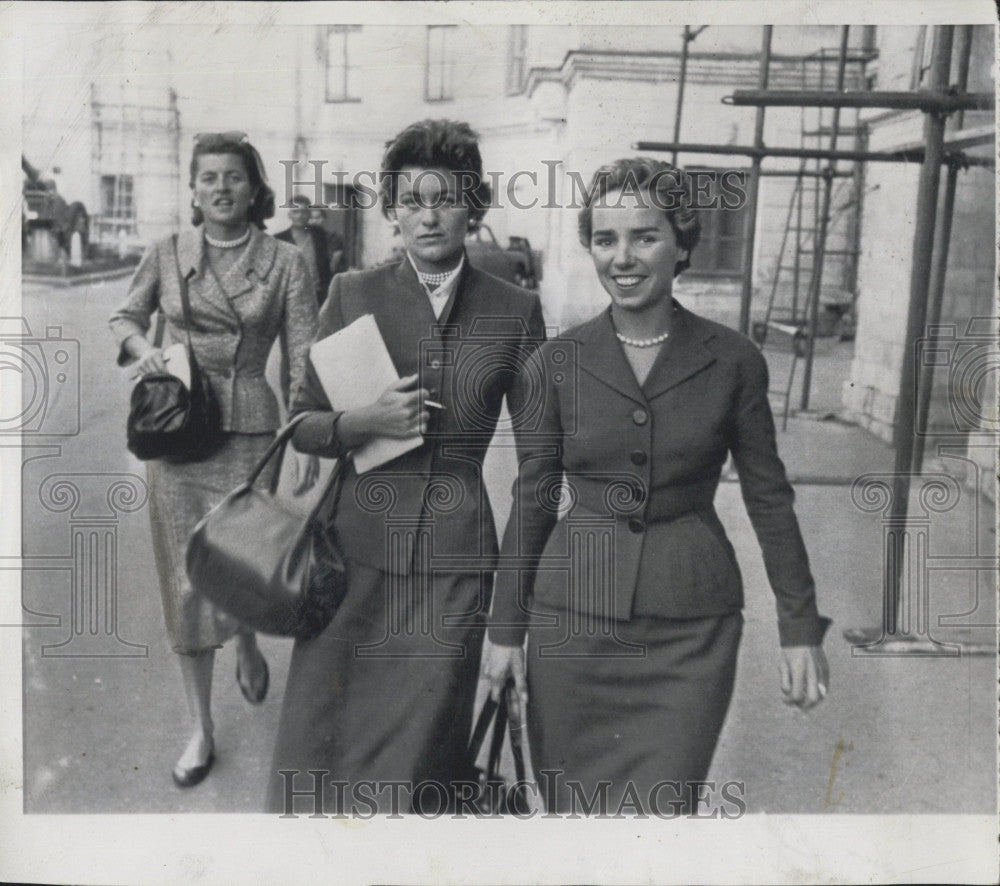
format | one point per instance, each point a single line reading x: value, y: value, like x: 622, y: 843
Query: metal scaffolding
x: 928, y: 269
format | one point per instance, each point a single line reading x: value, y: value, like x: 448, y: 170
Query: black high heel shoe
x: 254, y: 697
x: 188, y: 778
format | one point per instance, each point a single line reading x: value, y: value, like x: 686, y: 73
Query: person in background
x: 312, y: 243
x: 245, y: 290
x: 631, y: 652
x: 334, y: 242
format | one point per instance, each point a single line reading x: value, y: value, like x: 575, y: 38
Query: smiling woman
x: 631, y: 652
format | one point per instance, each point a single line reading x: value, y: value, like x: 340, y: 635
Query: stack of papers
x: 354, y: 367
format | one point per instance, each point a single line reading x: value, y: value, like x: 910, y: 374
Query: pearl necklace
x: 642, y: 342
x: 434, y: 280
x: 227, y: 244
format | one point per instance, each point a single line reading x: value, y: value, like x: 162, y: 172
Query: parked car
x: 518, y: 263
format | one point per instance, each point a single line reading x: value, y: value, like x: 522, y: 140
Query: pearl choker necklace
x: 227, y: 244
x: 435, y: 279
x: 642, y: 342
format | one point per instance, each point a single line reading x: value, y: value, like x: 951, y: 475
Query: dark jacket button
x: 636, y: 525
x: 638, y: 457
x: 640, y: 417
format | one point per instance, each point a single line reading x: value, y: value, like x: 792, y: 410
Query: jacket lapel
x: 683, y: 355
x: 193, y: 265
x: 602, y: 357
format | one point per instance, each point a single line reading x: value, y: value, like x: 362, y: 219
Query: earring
x: 194, y: 203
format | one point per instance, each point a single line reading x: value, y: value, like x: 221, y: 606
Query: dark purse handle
x: 326, y: 504
x: 498, y: 712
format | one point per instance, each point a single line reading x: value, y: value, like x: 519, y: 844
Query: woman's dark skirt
x: 383, y: 696
x: 634, y: 716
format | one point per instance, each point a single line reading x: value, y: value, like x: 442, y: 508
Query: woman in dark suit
x: 246, y: 290
x: 634, y: 597
x: 385, y: 694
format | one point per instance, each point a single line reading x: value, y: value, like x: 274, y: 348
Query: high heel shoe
x: 188, y: 778
x: 249, y: 693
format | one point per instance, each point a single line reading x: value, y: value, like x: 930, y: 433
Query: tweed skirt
x: 179, y: 496
x: 618, y: 713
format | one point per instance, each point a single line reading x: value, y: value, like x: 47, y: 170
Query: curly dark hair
x: 262, y: 206
x: 437, y: 144
x: 669, y: 187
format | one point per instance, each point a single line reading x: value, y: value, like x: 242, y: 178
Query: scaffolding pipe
x: 939, y: 263
x: 923, y: 249
x: 915, y: 100
x: 909, y: 155
x: 819, y: 255
x: 753, y: 188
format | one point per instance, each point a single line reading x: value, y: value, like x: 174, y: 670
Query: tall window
x: 342, y: 63
x: 440, y: 63
x: 517, y: 42
x: 117, y: 197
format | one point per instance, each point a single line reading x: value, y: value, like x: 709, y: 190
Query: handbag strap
x: 482, y: 724
x: 516, y: 730
x: 496, y: 745
x: 185, y: 300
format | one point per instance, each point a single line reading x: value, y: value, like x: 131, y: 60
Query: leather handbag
x: 275, y: 568
x: 167, y: 419
x: 494, y: 796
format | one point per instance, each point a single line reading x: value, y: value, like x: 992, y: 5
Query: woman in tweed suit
x: 246, y: 289
x: 633, y: 600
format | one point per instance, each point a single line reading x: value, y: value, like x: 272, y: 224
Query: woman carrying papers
x: 379, y: 706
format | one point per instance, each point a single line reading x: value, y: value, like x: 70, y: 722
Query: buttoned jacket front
x: 234, y: 320
x: 640, y: 466
x: 428, y: 508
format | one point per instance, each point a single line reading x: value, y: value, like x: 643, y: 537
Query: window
x: 440, y: 63
x: 117, y: 197
x: 517, y: 41
x: 342, y: 63
x: 723, y: 235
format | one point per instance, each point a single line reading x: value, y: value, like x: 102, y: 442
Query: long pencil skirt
x: 628, y: 719
x: 384, y: 695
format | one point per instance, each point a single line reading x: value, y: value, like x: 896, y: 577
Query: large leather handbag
x: 275, y: 568
x: 167, y: 419
x: 493, y: 795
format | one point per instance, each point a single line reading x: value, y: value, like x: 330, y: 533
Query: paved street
x: 101, y: 733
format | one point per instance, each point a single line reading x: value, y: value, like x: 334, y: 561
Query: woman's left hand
x: 805, y: 676
x: 306, y: 472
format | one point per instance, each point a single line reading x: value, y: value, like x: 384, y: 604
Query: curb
x: 83, y: 279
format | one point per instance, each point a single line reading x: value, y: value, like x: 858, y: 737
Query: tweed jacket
x: 428, y: 507
x: 638, y: 533
x: 268, y: 293
x: 321, y: 247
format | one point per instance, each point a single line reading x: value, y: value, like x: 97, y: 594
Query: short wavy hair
x: 262, y: 206
x: 437, y: 144
x: 669, y: 187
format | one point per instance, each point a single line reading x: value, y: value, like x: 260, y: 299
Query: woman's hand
x: 306, y: 469
x: 501, y: 662
x: 149, y: 359
x: 805, y: 676
x: 399, y: 410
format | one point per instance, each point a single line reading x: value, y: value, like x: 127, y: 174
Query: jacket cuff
x: 803, y: 631
x: 316, y: 434
x: 507, y: 635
